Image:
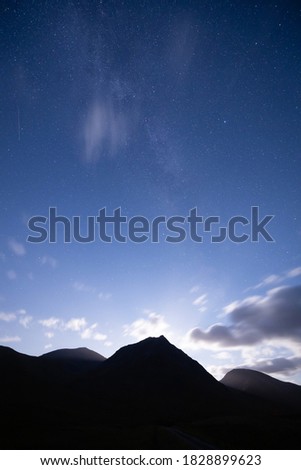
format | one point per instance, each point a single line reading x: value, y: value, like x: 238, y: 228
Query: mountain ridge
x: 149, y: 391
x: 81, y: 353
x: 263, y: 385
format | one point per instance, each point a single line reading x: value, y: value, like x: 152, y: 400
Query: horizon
x: 104, y: 358
x: 150, y: 179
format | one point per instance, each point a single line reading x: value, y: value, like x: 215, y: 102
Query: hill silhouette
x: 148, y: 395
x: 286, y: 395
x: 82, y: 354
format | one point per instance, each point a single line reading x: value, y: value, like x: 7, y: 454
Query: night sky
x: 157, y: 108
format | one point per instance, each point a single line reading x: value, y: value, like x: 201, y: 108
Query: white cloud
x: 99, y: 337
x: 48, y: 260
x: 22, y: 311
x: 269, y: 280
x: 7, y: 316
x: 201, y: 302
x: 49, y: 334
x: 228, y: 309
x: 276, y: 279
x: 294, y: 272
x: 90, y: 333
x: 25, y: 320
x: 104, y: 296
x: 11, y: 274
x: 75, y: 324
x: 10, y: 339
x: 48, y: 346
x: 105, y: 129
x: 194, y: 289
x: 51, y: 322
x: 78, y: 325
x: 262, y: 351
x: 222, y: 355
x: 272, y: 279
x: 16, y: 247
x: 82, y: 287
x: 153, y: 325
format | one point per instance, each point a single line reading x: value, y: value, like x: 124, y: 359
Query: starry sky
x: 154, y: 107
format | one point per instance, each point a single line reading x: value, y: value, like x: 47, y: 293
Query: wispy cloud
x: 82, y: 287
x: 78, y: 325
x: 91, y: 333
x: 75, y: 324
x: 294, y: 272
x: 194, y: 289
x: 105, y: 130
x: 86, y: 288
x: 25, y: 320
x: 7, y: 317
x: 104, y: 295
x: 49, y: 334
x: 11, y: 274
x: 21, y: 311
x: 10, y: 339
x: 16, y: 247
x: 276, y: 279
x: 153, y: 325
x: 222, y: 355
x: 49, y: 261
x: 51, y: 322
x: 201, y: 302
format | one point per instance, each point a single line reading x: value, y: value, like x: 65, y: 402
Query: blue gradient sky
x: 154, y: 107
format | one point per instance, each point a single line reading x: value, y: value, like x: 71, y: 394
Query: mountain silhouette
x: 81, y: 354
x: 153, y: 381
x: 148, y: 395
x: 285, y: 394
x: 67, y: 364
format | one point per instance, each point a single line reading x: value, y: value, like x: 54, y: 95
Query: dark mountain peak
x: 153, y: 343
x: 144, y: 349
x: 6, y: 351
x: 243, y: 376
x: 82, y: 354
x: 157, y: 357
x: 247, y: 377
x: 9, y: 357
x: 156, y: 339
x: 257, y: 383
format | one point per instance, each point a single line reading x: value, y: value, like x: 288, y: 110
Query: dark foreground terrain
x: 149, y: 395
